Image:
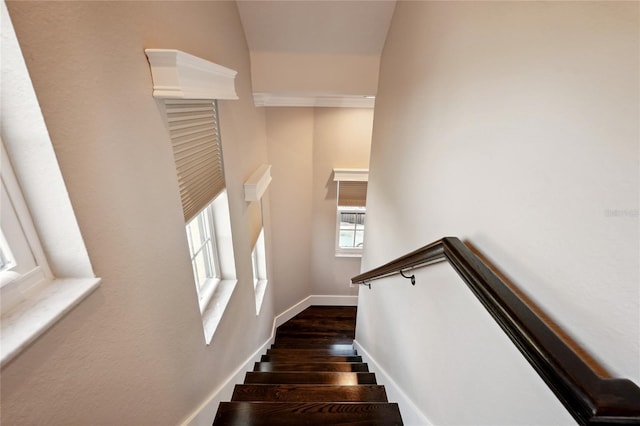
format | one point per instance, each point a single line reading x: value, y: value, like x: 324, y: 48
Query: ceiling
x: 316, y: 26
x: 315, y: 52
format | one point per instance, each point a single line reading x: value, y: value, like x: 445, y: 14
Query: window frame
x: 207, y: 287
x: 348, y: 251
x: 259, y: 268
x: 32, y: 299
x: 351, y: 205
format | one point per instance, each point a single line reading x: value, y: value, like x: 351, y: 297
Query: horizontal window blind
x: 195, y: 136
x: 352, y: 193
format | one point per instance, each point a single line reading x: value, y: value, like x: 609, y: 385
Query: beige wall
x: 133, y: 352
x: 315, y: 73
x: 305, y: 144
x: 342, y: 138
x: 514, y: 126
x: 290, y: 148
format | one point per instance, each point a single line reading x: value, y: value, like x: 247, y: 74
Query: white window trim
x: 33, y: 300
x: 214, y: 297
x: 259, y: 263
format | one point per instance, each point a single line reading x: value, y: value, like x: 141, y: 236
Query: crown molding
x: 264, y: 99
x: 179, y: 75
x: 351, y: 175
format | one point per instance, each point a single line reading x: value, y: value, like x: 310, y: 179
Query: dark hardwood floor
x: 311, y: 375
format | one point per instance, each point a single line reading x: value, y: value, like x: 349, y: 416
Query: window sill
x: 30, y: 318
x: 343, y: 254
x: 212, y: 313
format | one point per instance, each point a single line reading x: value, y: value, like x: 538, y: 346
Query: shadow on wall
x: 332, y: 188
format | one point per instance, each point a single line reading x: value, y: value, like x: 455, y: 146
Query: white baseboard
x: 204, y: 415
x: 313, y: 300
x: 411, y: 414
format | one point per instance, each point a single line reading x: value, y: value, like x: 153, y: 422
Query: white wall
x: 133, y: 352
x: 513, y: 126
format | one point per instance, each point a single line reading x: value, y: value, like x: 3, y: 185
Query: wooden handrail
x: 591, y: 399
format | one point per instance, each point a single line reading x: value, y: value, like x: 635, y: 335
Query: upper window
x: 351, y: 210
x: 351, y: 228
x: 195, y: 137
x: 204, y: 254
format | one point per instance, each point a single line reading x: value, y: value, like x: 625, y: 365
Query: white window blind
x: 195, y: 136
x: 352, y: 194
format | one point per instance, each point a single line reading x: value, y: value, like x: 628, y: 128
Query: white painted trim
x: 312, y: 100
x: 179, y: 75
x: 205, y: 413
x: 411, y: 414
x: 351, y: 175
x: 257, y: 183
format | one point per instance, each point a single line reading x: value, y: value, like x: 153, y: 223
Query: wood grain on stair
x: 310, y: 393
x: 307, y: 414
x: 312, y: 376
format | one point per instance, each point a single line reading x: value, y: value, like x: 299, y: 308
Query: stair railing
x: 589, y: 398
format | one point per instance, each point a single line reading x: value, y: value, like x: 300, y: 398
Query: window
x: 351, y: 227
x: 351, y: 211
x: 254, y: 188
x: 32, y: 298
x: 204, y: 255
x: 197, y: 151
x: 259, y: 262
x: 16, y: 248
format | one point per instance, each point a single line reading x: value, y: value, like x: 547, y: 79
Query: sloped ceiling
x: 315, y: 47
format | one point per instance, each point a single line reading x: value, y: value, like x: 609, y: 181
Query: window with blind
x: 351, y: 210
x: 195, y: 138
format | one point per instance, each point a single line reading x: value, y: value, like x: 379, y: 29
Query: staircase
x: 311, y: 376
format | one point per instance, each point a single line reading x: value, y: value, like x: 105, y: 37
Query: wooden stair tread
x: 310, y: 358
x: 310, y: 393
x: 310, y: 377
x: 308, y: 414
x: 311, y: 366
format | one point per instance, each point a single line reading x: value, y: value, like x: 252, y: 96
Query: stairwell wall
x: 514, y: 126
x: 133, y: 352
x: 305, y: 144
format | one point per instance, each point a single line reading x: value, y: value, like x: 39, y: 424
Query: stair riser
x: 312, y: 366
x: 311, y: 377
